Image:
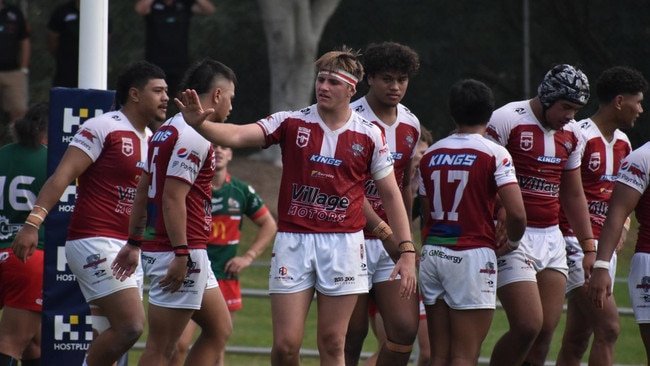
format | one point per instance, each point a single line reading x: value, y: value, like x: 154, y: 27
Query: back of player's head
x: 345, y: 60
x: 32, y: 128
x: 390, y: 56
x: 564, y: 82
x: 136, y: 75
x: 203, y: 76
x: 471, y: 103
x: 619, y: 80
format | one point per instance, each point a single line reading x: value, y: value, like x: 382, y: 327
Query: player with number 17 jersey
x: 177, y: 151
x: 474, y: 168
x: 324, y: 170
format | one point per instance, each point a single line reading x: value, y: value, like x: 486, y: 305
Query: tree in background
x: 293, y: 30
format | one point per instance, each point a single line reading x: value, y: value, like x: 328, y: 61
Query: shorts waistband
x: 542, y: 230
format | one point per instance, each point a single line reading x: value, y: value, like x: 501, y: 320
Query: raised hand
x: 190, y: 107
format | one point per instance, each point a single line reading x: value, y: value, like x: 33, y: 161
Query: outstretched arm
x: 224, y: 134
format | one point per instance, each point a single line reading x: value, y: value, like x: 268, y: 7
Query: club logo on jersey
x: 358, y: 150
x: 526, y: 141
x: 325, y: 160
x: 233, y: 205
x: 409, y: 141
x: 127, y: 146
x: 594, y: 161
x: 282, y: 271
x: 302, y: 138
x: 359, y: 108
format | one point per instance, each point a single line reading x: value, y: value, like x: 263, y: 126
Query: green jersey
x: 23, y: 171
x: 229, y: 204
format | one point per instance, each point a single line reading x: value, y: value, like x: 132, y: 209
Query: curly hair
x: 619, y: 80
x: 390, y: 56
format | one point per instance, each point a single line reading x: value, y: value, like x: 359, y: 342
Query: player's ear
x: 134, y: 94
x: 216, y: 95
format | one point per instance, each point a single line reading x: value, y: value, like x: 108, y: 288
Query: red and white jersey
x: 105, y: 191
x: 402, y: 138
x: 324, y: 170
x: 177, y: 151
x: 634, y: 173
x: 600, y: 162
x: 540, y: 155
x: 460, y: 176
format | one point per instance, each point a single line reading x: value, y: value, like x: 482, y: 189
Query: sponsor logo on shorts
x: 147, y: 258
x: 283, y: 274
x: 442, y: 255
x: 94, y: 260
x: 488, y: 268
x: 344, y: 280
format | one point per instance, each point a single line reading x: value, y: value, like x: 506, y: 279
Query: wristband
x: 601, y: 264
x: 182, y: 251
x: 41, y: 208
x: 406, y: 251
x: 135, y: 242
x: 32, y: 224
x: 626, y: 225
x: 588, y: 245
x: 406, y: 246
x: 382, y: 230
x: 42, y: 218
x: 513, y: 244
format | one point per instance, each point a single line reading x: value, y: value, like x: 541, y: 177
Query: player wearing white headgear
x: 546, y: 153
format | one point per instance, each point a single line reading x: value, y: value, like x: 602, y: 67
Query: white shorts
x: 380, y: 264
x: 574, y: 256
x: 199, y: 278
x: 332, y: 263
x: 539, y: 249
x: 639, y: 287
x: 90, y: 260
x: 464, y: 279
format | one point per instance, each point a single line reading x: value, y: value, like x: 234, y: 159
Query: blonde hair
x: 346, y: 60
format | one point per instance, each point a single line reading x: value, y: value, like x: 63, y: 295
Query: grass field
x: 252, y: 325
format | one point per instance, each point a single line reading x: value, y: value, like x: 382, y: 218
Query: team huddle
x: 520, y: 203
